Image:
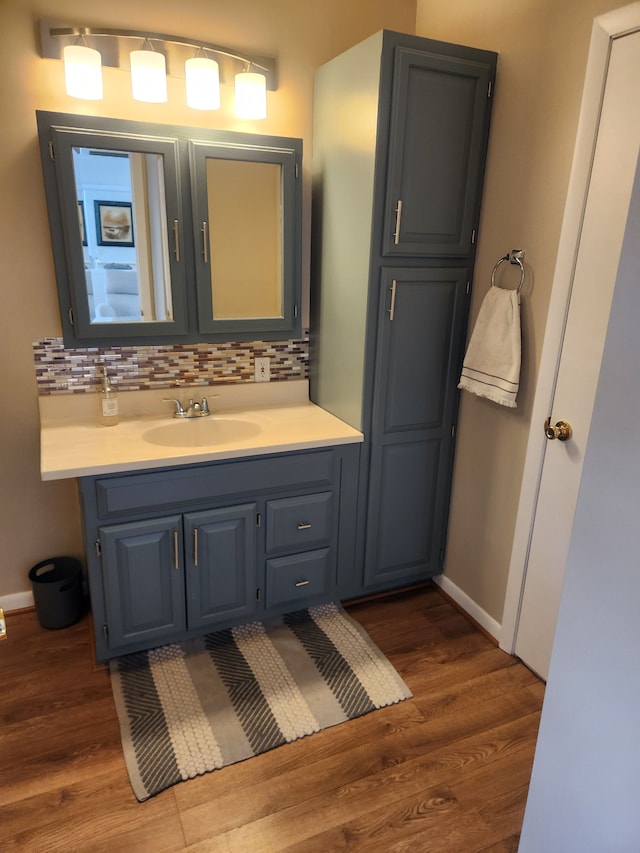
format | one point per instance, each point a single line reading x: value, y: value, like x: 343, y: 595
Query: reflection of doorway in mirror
x: 245, y: 233
x: 126, y: 254
x: 154, y: 272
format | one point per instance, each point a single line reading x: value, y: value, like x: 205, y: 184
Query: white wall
x: 585, y: 786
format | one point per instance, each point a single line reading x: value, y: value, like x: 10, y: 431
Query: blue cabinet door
x: 220, y: 547
x: 418, y: 356
x: 437, y: 145
x: 143, y: 579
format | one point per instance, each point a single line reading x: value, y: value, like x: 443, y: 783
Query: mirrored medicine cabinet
x: 168, y: 234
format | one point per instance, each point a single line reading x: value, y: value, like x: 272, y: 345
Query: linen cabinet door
x: 437, y: 146
x: 221, y: 564
x: 143, y: 580
x: 418, y: 357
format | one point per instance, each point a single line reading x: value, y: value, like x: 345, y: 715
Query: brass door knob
x: 562, y: 430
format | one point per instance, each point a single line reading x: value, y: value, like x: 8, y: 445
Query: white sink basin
x: 201, y: 432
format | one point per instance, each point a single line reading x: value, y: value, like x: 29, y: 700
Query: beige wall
x: 39, y: 520
x: 543, y: 47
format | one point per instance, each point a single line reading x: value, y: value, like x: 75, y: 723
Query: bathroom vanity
x: 183, y: 537
x: 192, y: 527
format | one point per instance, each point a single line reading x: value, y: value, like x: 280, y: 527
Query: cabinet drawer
x: 298, y: 578
x: 299, y: 523
x: 200, y: 484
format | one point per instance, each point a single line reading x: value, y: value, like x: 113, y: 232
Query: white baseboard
x: 20, y: 600
x: 16, y: 601
x: 488, y: 623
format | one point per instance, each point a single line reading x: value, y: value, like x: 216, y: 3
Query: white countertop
x: 78, y: 447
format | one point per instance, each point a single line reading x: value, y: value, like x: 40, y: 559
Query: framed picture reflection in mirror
x: 114, y: 223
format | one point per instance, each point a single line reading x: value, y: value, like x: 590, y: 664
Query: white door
x: 593, y: 276
x: 585, y: 785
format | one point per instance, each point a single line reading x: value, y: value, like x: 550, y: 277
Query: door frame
x: 605, y: 29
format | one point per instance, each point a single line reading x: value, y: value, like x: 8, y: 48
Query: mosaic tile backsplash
x: 137, y: 368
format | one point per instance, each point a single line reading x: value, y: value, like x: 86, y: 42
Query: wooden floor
x: 445, y: 771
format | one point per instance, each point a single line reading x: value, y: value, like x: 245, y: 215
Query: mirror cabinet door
x: 120, y: 217
x: 244, y: 201
x: 244, y: 206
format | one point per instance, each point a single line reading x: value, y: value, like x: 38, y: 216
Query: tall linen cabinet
x: 401, y: 127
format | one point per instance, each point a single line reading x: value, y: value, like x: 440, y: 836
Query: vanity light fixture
x: 83, y: 71
x: 160, y: 55
x: 148, y: 74
x: 251, y: 95
x: 202, y: 79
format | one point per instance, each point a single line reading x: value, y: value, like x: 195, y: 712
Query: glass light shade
x: 203, y: 83
x: 148, y: 76
x: 251, y: 95
x: 83, y: 72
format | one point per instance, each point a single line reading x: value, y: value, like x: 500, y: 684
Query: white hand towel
x: 491, y: 366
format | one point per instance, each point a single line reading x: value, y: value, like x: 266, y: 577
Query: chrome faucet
x: 193, y: 410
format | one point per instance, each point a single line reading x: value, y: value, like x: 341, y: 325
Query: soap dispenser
x: 108, y: 411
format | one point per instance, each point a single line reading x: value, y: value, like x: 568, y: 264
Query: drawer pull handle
x: 302, y: 583
x: 205, y: 242
x: 176, y: 553
x: 396, y: 233
x: 392, y: 307
x: 304, y: 525
x: 195, y: 546
x: 176, y: 237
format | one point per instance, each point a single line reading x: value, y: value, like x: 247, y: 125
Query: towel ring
x: 515, y: 256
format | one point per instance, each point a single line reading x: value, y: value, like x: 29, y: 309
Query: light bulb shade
x: 203, y: 83
x: 148, y: 76
x: 251, y: 95
x: 83, y: 72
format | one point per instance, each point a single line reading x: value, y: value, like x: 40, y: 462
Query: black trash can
x: 57, y: 591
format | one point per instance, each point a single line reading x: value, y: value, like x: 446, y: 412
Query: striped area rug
x: 189, y: 708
